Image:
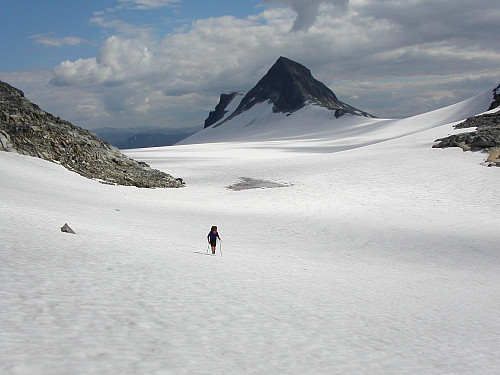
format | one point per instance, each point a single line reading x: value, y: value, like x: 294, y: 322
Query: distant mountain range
x: 142, y: 137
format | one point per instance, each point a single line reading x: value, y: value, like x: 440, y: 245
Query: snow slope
x: 380, y: 258
x: 313, y: 122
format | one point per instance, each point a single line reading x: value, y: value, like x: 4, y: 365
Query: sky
x: 164, y: 63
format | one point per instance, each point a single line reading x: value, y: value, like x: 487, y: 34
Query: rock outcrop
x: 485, y: 138
x: 28, y: 130
x: 220, y: 109
x: 496, y: 98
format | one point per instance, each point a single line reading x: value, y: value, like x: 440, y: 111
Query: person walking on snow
x: 212, y: 238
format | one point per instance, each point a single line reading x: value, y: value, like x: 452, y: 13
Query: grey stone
x: 66, y: 229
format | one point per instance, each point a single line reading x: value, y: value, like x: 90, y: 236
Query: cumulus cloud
x: 308, y: 10
x: 376, y: 57
x: 119, y: 60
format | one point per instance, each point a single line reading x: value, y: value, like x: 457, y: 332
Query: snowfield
x: 380, y: 255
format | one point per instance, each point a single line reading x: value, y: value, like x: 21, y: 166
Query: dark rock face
x: 28, y: 130
x: 485, y: 138
x: 220, y: 109
x: 496, y: 98
x: 290, y: 86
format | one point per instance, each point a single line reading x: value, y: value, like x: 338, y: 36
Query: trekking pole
x: 208, y: 247
x: 220, y: 247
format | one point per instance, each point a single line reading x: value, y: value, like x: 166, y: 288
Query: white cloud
x: 109, y: 21
x: 149, y: 4
x: 375, y: 56
x: 53, y: 41
x: 308, y: 10
x: 119, y: 60
x: 79, y: 104
x: 404, y: 97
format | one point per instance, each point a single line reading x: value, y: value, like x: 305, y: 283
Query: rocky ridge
x: 220, y: 109
x: 289, y: 86
x: 28, y: 130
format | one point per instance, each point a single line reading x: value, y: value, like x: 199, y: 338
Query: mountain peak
x: 290, y: 65
x: 290, y: 86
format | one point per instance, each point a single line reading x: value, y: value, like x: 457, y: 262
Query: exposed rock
x: 28, y: 130
x: 66, y: 229
x: 289, y: 86
x: 485, y: 138
x: 494, y: 157
x: 220, y: 109
x: 496, y: 98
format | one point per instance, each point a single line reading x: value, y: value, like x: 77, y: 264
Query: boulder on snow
x: 485, y: 138
x: 66, y: 229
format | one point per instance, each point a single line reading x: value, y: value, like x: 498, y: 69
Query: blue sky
x: 26, y: 24
x: 23, y: 20
x: 124, y: 63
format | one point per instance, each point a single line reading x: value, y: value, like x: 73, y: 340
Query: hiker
x: 212, y: 238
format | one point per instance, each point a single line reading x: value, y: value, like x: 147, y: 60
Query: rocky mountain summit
x: 28, y: 130
x: 289, y: 86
